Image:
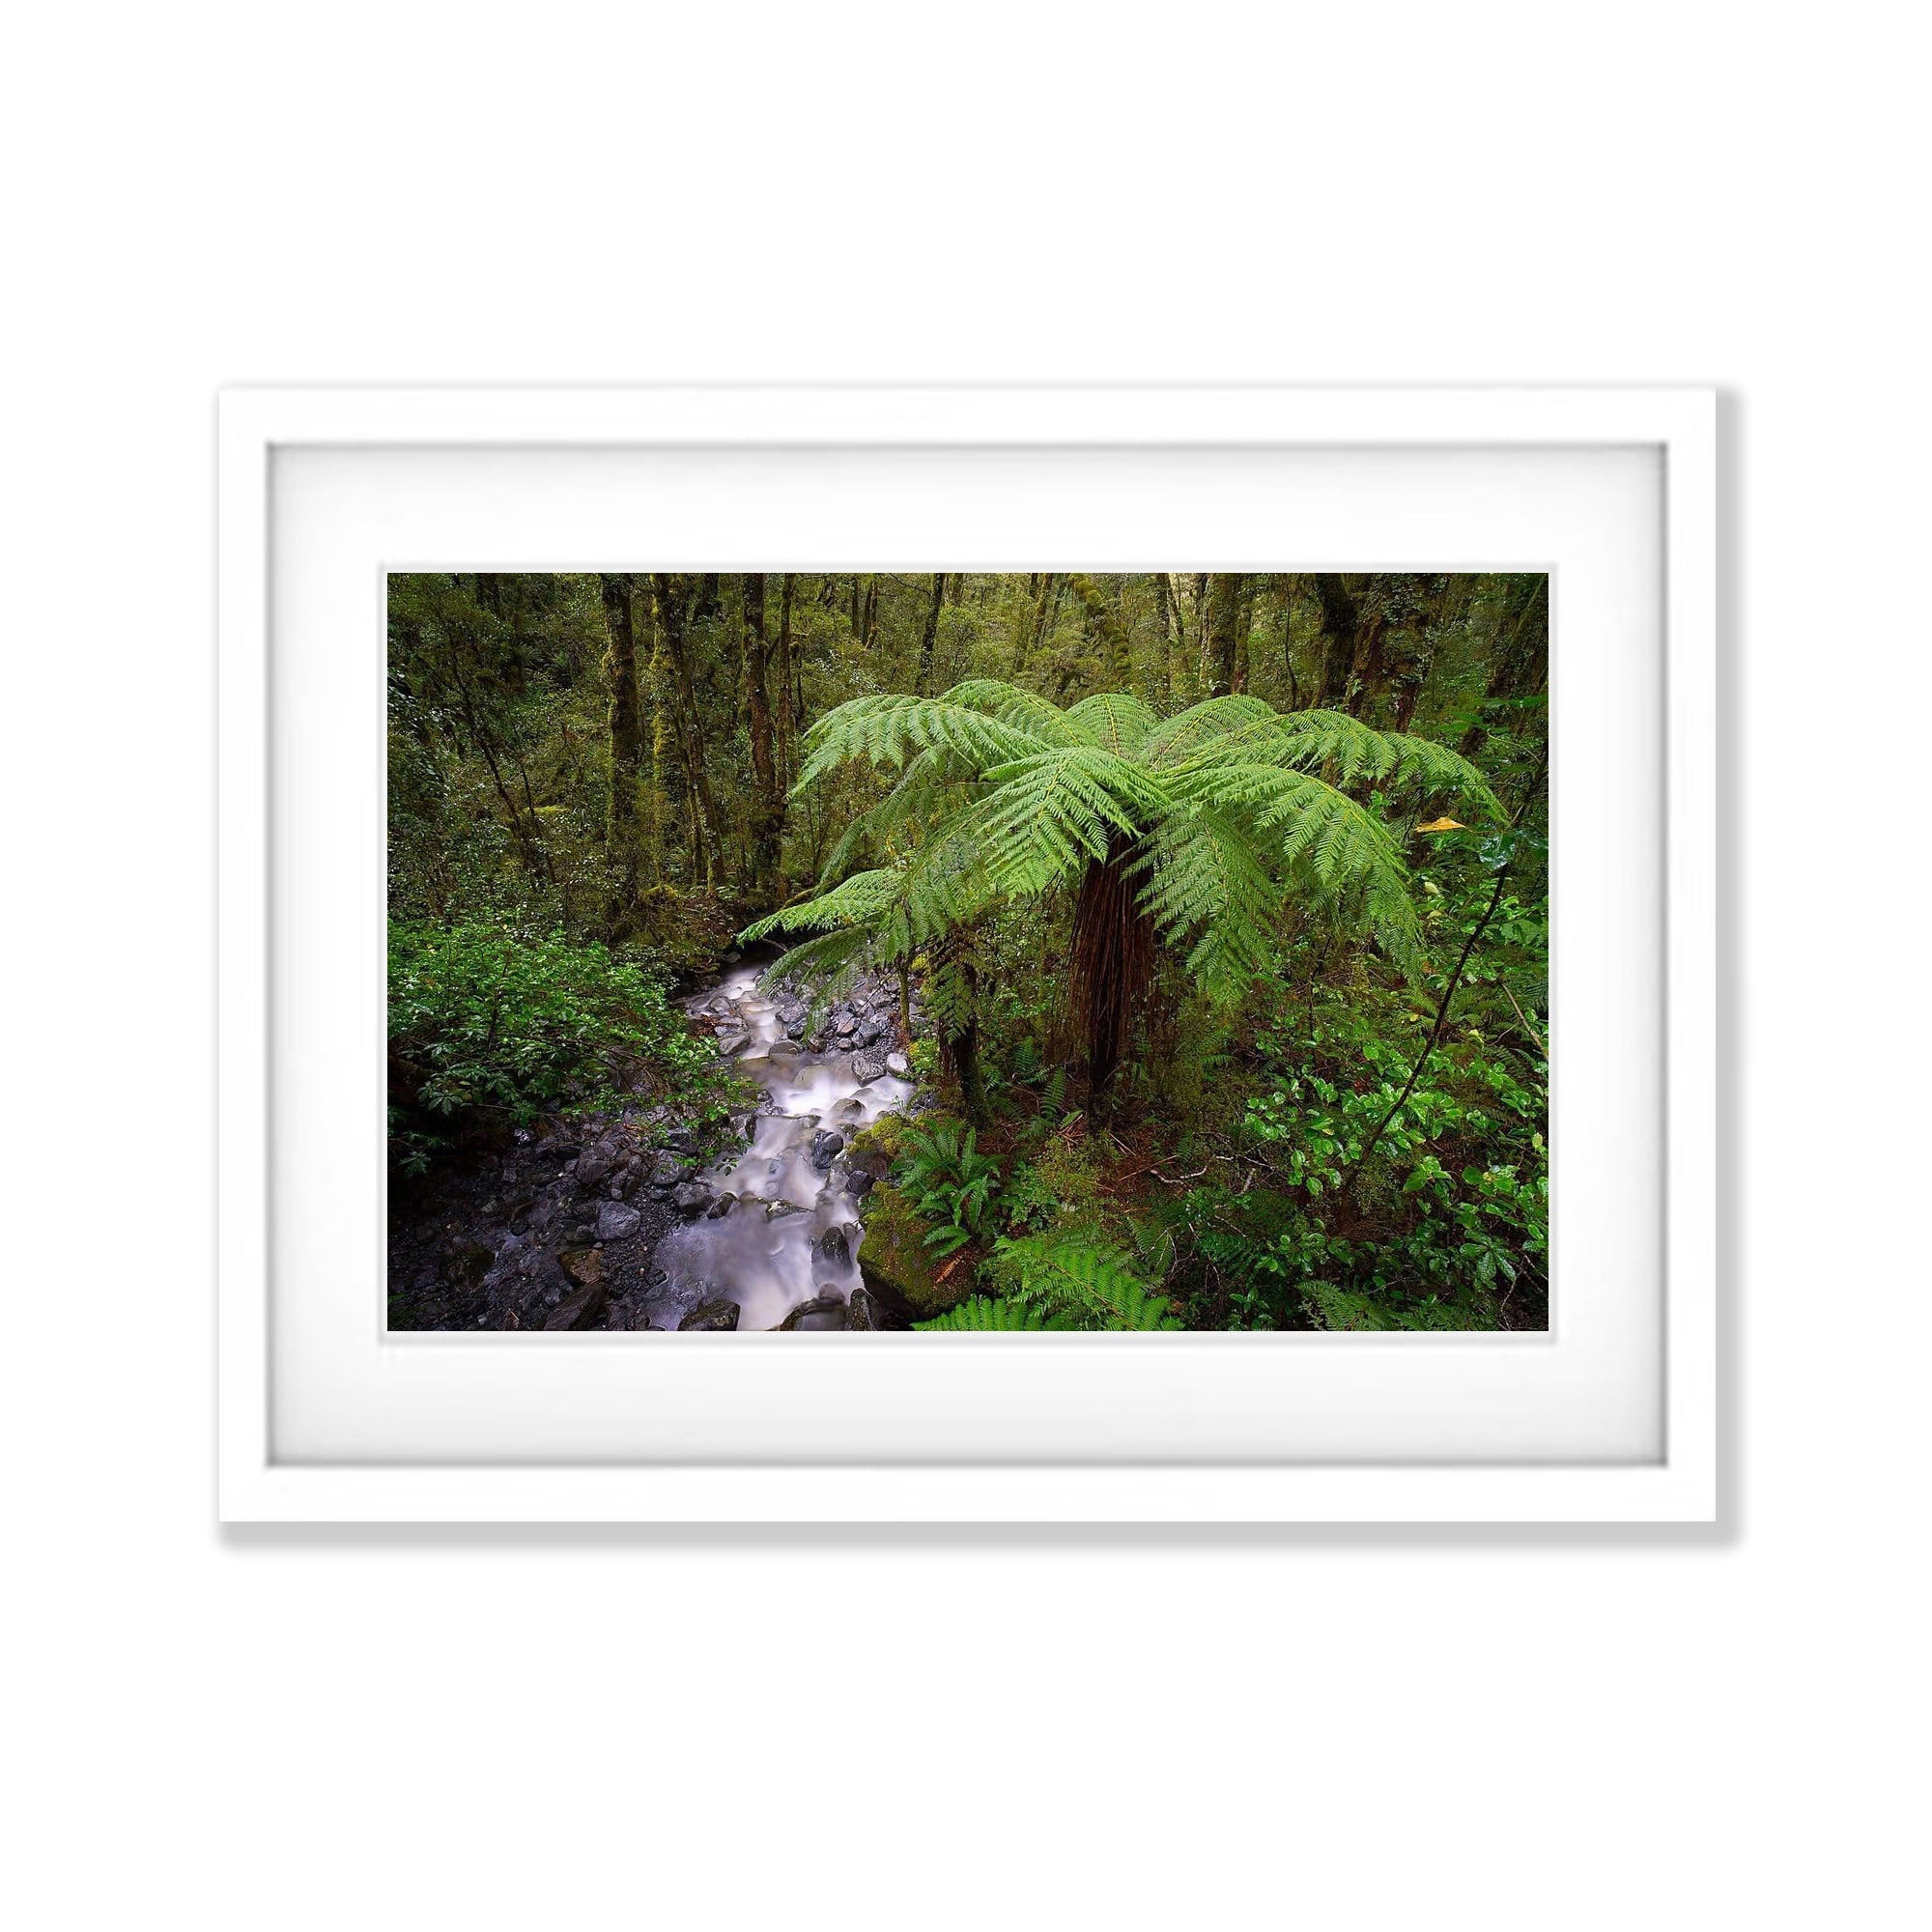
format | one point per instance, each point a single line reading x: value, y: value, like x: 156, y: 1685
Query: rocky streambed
x: 619, y: 1221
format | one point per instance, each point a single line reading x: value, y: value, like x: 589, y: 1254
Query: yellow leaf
x: 1443, y: 825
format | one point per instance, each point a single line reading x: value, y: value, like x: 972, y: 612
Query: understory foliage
x: 1226, y: 895
x: 489, y: 1030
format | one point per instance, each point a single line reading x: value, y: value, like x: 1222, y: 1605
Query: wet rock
x: 869, y: 1311
x: 617, y: 1220
x: 665, y: 1169
x: 594, y: 1163
x: 898, y: 1066
x: 784, y: 1049
x: 867, y: 1066
x: 826, y: 1147
x: 582, y: 1310
x: 680, y: 1140
x: 836, y: 1245
x: 711, y: 1318
x: 732, y: 1039
x: 692, y: 1198
x: 584, y: 1265
x: 719, y: 1207
x: 819, y: 1304
x: 861, y: 1181
x: 776, y: 1210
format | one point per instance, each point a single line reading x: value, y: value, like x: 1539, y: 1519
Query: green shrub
x: 489, y: 1030
x: 1059, y: 1185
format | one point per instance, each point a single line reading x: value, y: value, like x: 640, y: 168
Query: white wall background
x: 591, y: 1729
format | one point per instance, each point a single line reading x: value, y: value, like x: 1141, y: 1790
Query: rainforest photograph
x: 956, y: 952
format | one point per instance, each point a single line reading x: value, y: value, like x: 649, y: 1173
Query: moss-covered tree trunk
x: 1338, y: 618
x: 666, y: 601
x: 1163, y: 604
x: 787, y: 722
x: 931, y: 634
x: 767, y: 814
x: 624, y: 843
x: 1520, y: 660
x: 1108, y: 632
x: 1224, y: 631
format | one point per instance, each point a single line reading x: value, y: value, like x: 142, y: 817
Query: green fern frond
x: 1048, y: 814
x: 1206, y: 880
x: 861, y: 900
x: 1091, y: 1282
x: 985, y: 1316
x: 1345, y: 748
x: 829, y: 962
x: 888, y: 729
x: 1024, y: 710
x: 1114, y: 719
x: 1186, y: 733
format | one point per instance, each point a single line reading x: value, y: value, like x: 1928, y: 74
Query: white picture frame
x: 574, y: 1474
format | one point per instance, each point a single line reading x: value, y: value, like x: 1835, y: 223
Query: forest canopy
x: 1209, y: 910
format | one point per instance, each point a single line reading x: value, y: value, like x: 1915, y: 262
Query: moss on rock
x: 896, y: 1263
x: 876, y: 1147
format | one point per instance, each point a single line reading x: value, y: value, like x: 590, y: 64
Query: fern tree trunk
x: 1113, y: 967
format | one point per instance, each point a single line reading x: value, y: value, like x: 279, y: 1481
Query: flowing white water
x: 767, y: 1251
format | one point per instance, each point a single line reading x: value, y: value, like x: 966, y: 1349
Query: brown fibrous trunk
x: 1113, y: 966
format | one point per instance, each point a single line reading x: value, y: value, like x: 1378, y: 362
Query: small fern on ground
x: 943, y: 1172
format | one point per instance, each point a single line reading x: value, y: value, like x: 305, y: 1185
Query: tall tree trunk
x: 1163, y: 602
x: 788, y: 705
x: 1044, y: 606
x: 1224, y: 623
x: 1520, y: 663
x: 1113, y: 966
x: 1108, y: 632
x: 670, y: 616
x: 1339, y: 619
x: 929, y: 635
x: 1288, y: 642
x: 1367, y: 675
x: 623, y: 833
x: 1175, y: 604
x: 966, y: 1052
x: 767, y: 814
x: 1244, y: 624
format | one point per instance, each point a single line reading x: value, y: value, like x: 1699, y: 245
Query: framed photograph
x: 968, y: 954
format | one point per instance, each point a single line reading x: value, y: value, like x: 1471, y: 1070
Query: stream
x: 784, y: 1227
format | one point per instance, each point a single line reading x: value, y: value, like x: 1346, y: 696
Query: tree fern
x: 1221, y: 816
